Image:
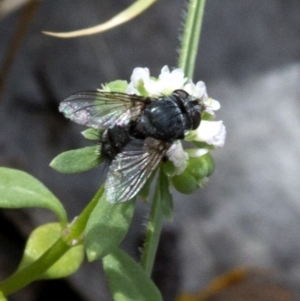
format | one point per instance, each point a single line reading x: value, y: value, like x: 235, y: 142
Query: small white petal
x: 201, y: 87
x: 139, y: 74
x: 131, y: 89
x: 178, y: 156
x: 201, y: 90
x: 165, y: 84
x: 165, y: 70
x: 196, y: 152
x: 170, y: 81
x: 211, y: 132
x: 198, y: 90
x: 189, y: 88
x: 154, y: 88
x: 176, y: 75
x: 211, y: 105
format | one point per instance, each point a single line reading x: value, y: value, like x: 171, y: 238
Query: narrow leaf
x: 40, y: 240
x: 78, y: 160
x: 127, y: 280
x: 126, y: 15
x: 107, y: 226
x: 20, y: 190
x: 92, y: 134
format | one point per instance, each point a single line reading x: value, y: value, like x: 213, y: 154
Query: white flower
x: 131, y: 89
x: 211, y: 105
x: 170, y: 81
x: 165, y: 84
x: 178, y: 156
x: 139, y: 75
x: 198, y: 90
x: 211, y: 132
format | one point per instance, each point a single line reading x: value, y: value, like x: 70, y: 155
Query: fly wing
x: 101, y: 110
x: 130, y: 169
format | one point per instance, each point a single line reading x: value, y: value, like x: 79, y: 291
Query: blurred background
x: 249, y: 213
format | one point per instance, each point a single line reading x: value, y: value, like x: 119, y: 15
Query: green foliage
x: 201, y: 167
x: 117, y: 86
x: 194, y: 176
x: 185, y: 183
x: 127, y: 280
x: 20, y: 190
x: 169, y: 168
x: 2, y: 297
x: 92, y: 134
x: 40, y: 240
x: 78, y: 160
x: 107, y: 226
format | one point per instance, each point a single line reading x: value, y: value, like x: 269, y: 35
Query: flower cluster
x: 209, y: 135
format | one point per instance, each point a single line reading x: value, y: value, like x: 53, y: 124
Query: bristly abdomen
x: 113, y: 142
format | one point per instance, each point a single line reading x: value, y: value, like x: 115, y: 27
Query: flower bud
x: 195, y: 175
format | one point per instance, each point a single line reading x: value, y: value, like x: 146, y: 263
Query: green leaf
x: 92, y: 134
x: 2, y: 297
x: 77, y: 160
x: 40, y: 240
x: 118, y: 85
x: 107, y: 226
x: 20, y: 190
x: 127, y: 280
x: 165, y: 195
x: 169, y: 168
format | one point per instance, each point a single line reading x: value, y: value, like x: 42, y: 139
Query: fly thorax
x: 162, y: 120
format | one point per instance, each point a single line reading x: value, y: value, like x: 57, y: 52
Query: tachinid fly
x: 138, y: 132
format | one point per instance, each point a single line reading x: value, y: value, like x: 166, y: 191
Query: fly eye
x: 196, y: 118
x: 181, y: 94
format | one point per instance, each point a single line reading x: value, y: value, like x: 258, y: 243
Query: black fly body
x: 138, y: 132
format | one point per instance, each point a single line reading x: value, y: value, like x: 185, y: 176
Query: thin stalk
x: 191, y: 37
x: 189, y: 48
x: 31, y: 273
x: 153, y: 231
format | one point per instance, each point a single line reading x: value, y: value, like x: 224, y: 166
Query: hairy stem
x: 191, y: 37
x: 153, y: 231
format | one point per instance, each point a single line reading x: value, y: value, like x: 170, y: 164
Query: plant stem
x: 153, y: 231
x: 189, y: 48
x: 23, y: 277
x: 31, y: 273
x: 191, y: 37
